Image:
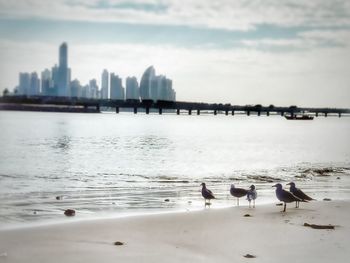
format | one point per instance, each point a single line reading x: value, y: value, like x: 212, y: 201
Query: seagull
x: 298, y: 193
x: 252, y: 195
x: 207, y: 194
x: 285, y: 196
x: 238, y: 192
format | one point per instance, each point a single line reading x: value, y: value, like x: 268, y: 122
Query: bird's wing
x: 288, y: 196
x: 302, y: 195
x: 211, y: 193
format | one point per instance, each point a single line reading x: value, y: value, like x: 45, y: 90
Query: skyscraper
x: 145, y: 84
x: 34, y: 89
x: 76, y: 89
x: 24, y: 83
x: 117, y: 90
x: 132, y: 89
x: 63, y: 71
x: 93, y: 89
x: 104, y: 84
x: 153, y: 87
x: 46, y: 83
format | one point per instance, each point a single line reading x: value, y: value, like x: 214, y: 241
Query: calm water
x: 109, y: 164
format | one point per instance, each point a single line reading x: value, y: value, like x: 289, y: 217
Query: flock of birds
x: 293, y: 195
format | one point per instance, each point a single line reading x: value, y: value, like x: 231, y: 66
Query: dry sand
x: 210, y: 235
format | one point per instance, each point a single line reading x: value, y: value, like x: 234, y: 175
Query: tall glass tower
x: 63, y: 71
x: 63, y: 55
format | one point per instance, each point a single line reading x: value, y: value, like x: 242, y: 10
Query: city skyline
x: 58, y: 82
x: 275, y: 52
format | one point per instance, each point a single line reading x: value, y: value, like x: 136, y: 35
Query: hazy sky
x: 230, y: 51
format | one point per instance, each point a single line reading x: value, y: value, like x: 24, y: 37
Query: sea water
x: 115, y: 164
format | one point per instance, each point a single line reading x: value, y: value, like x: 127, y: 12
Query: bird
x: 285, y: 196
x: 252, y: 195
x: 237, y: 192
x: 298, y: 193
x: 207, y: 194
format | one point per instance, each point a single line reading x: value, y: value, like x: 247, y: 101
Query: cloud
x: 221, y: 14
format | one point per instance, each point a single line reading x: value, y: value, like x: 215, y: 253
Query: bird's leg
x: 237, y: 201
x: 296, y: 204
x: 249, y: 203
x: 254, y: 203
x: 285, y: 206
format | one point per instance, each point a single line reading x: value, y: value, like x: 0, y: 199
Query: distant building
x: 34, y: 88
x: 132, y: 89
x: 75, y: 89
x: 63, y: 78
x: 24, y: 83
x: 47, y: 88
x: 104, y: 84
x: 85, y: 91
x: 153, y: 87
x: 116, y: 88
x: 145, y: 83
x: 93, y: 89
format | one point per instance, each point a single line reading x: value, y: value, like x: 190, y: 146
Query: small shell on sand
x: 118, y: 243
x: 249, y: 256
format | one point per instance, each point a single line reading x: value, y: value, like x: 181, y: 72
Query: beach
x: 208, y: 235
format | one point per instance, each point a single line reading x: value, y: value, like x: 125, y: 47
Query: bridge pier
x: 325, y: 114
x: 339, y: 114
x: 267, y: 113
x: 215, y: 112
x: 316, y: 113
x: 135, y: 110
x: 160, y: 111
x: 98, y: 107
x: 116, y: 109
x: 248, y: 113
x: 282, y: 113
x: 198, y: 112
x: 178, y: 111
x: 226, y: 112
x: 147, y: 110
x: 233, y: 112
x: 190, y: 112
x: 259, y: 113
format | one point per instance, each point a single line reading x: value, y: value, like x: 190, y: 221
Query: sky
x: 281, y: 52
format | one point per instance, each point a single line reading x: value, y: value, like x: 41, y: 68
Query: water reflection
x: 63, y: 143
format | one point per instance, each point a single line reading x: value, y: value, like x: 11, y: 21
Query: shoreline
x: 219, y: 235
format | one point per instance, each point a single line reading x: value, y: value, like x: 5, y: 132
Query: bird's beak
x: 288, y: 184
x: 274, y: 185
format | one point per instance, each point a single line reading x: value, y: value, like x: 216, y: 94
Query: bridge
x: 47, y: 103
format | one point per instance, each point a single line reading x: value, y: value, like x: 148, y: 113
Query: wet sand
x: 210, y: 235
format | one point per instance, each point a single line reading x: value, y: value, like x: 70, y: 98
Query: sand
x: 210, y: 235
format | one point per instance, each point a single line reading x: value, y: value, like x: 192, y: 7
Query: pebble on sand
x: 69, y: 212
x: 249, y: 256
x: 118, y: 243
x: 327, y: 199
